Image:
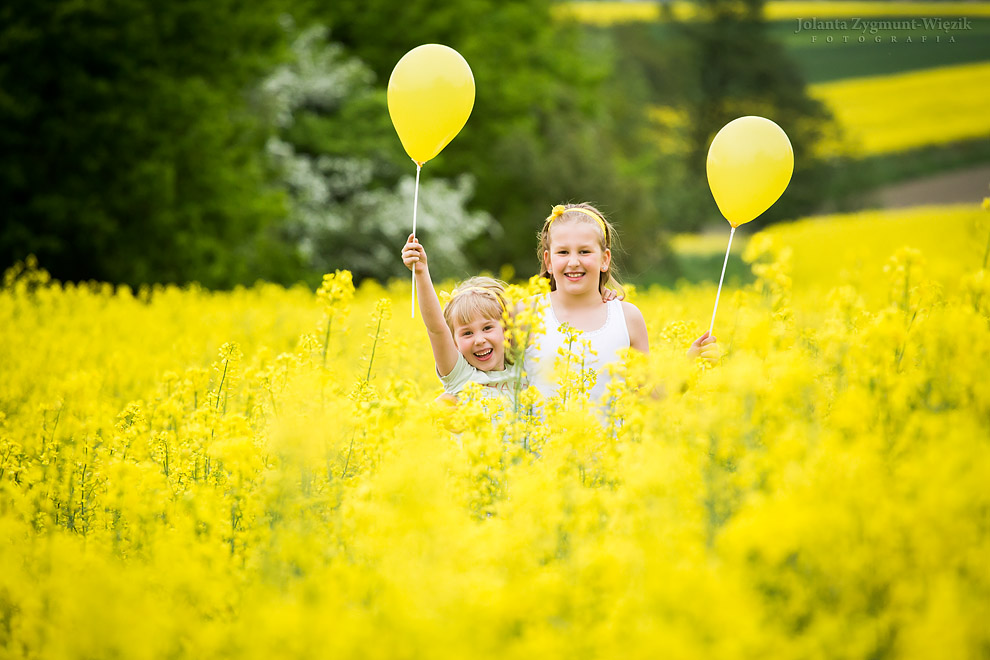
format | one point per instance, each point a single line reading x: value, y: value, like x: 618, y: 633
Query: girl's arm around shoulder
x: 636, y: 325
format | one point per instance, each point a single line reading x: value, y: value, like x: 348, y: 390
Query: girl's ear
x: 546, y: 260
x: 606, y: 259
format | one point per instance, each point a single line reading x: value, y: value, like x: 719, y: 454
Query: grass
x: 883, y: 169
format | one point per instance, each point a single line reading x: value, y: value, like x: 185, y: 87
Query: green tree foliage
x: 712, y: 70
x: 546, y: 123
x: 149, y: 141
x: 127, y: 150
x: 742, y: 71
x: 351, y: 195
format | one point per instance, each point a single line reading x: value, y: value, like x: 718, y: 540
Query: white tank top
x: 606, y: 341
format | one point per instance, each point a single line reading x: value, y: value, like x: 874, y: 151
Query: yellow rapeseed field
x: 261, y: 473
x: 885, y: 114
x: 841, y: 248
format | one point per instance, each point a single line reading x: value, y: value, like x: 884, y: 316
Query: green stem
x: 347, y: 461
x: 234, y: 521
x: 374, y: 345
x: 271, y: 396
x: 326, y: 341
x: 220, y: 389
x: 986, y: 253
x: 58, y: 415
x: 907, y: 287
x: 82, y: 495
x: 567, y: 370
x: 219, y: 393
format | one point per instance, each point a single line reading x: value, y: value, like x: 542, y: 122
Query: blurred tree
x: 709, y: 71
x: 740, y: 70
x: 131, y: 150
x: 127, y: 151
x: 549, y: 125
x: 350, y: 192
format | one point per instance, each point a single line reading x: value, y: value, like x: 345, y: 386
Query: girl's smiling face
x: 482, y: 343
x: 575, y: 258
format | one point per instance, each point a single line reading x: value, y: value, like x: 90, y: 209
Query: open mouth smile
x: 573, y: 276
x: 485, y: 354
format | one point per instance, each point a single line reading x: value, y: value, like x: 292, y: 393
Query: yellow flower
x: 337, y: 289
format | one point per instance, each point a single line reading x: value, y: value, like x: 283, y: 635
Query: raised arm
x: 444, y: 349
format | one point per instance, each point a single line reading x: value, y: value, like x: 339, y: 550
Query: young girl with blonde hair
x: 467, y: 336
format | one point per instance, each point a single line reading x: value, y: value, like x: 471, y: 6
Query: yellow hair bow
x: 560, y: 210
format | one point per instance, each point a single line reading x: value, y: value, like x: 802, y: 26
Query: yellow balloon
x: 750, y: 163
x: 430, y: 97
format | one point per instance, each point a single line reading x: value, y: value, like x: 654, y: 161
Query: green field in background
x: 845, y: 57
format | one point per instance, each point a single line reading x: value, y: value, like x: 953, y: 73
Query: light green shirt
x: 495, y: 384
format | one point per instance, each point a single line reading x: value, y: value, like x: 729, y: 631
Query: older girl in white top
x: 576, y: 256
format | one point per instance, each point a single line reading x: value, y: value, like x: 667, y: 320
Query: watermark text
x: 862, y: 30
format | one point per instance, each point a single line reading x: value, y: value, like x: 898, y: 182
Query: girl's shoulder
x: 630, y: 310
x: 636, y: 327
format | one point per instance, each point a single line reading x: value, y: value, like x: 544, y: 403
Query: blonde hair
x: 591, y: 216
x: 475, y: 297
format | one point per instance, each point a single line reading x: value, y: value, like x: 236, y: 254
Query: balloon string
x: 412, y: 311
x: 722, y: 277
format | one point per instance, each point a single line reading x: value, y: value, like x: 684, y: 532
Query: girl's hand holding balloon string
x: 413, y: 255
x: 706, y: 348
